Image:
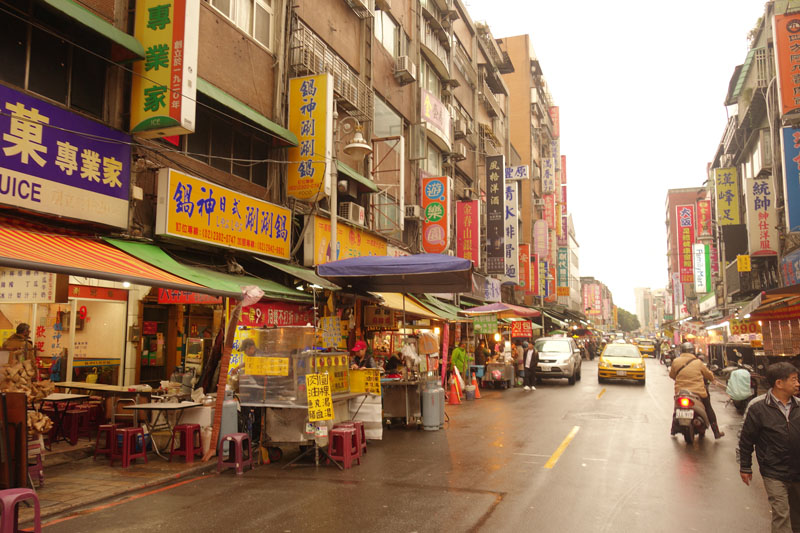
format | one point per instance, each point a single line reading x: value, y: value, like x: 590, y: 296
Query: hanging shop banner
x: 491, y: 290
x: 541, y: 246
x: 785, y: 31
x: 435, y: 214
x: 685, y: 215
x: 562, y: 291
x: 554, y: 117
x: 275, y: 314
x: 435, y: 115
x: 468, y: 229
x: 485, y: 324
x: 552, y: 294
x: 351, y: 242
x: 334, y: 332
x: 522, y: 328
x: 743, y: 263
x: 318, y: 391
x: 564, y: 172
x: 164, y: 88
x: 171, y: 296
x: 548, y: 175
x: 564, y: 239
x: 517, y: 173
x: 726, y: 184
x: 558, y: 226
x: 511, y: 234
x: 677, y: 290
x: 701, y: 259
x: 745, y: 327
x: 380, y: 318
x: 365, y: 380
x: 198, y: 210
x: 525, y: 266
x: 59, y: 163
x: 495, y: 207
x: 563, y: 267
x: 790, y: 149
x: 790, y: 268
x: 762, y: 217
x: 550, y: 210
x: 543, y: 286
x: 28, y: 286
x: 91, y: 292
x: 535, y: 286
x: 311, y: 119
x: 704, y: 218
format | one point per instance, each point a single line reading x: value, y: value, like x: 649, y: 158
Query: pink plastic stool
x: 239, y: 442
x: 343, y: 446
x: 358, y: 425
x: 190, y: 444
x: 110, y: 447
x: 128, y: 452
x: 9, y: 515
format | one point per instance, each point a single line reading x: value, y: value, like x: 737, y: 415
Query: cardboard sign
x: 320, y: 404
x: 366, y: 380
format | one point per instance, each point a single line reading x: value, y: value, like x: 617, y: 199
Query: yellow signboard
x: 311, y: 119
x: 164, y: 87
x: 726, y: 181
x: 351, y: 242
x: 337, y: 366
x: 266, y: 366
x: 745, y: 327
x: 366, y: 380
x: 743, y: 263
x: 320, y: 404
x: 191, y: 208
x: 562, y: 291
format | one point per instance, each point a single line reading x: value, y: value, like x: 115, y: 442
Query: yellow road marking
x: 563, y: 446
x: 601, y: 393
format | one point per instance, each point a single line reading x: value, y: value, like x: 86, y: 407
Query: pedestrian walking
x: 772, y: 426
x: 531, y: 360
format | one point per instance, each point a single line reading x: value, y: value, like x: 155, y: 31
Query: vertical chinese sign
x: 318, y: 392
x: 495, y: 211
x: 790, y: 148
x: 563, y: 271
x: 548, y: 175
x: 786, y: 35
x: 704, y: 218
x: 525, y: 266
x: 685, y: 240
x: 164, y: 86
x: 311, y: 119
x: 535, y: 288
x: 726, y: 185
x: 469, y: 231
x: 511, y: 233
x: 550, y: 210
x: 702, y: 267
x: 762, y: 217
x: 435, y: 214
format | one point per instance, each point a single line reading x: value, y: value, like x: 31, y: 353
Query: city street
x: 496, y: 467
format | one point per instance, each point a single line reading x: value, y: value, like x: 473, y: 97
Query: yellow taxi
x: 621, y: 361
x: 646, y: 346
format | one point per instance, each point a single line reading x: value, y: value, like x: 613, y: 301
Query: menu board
x: 336, y: 365
x: 320, y: 404
x: 366, y: 380
x: 266, y: 366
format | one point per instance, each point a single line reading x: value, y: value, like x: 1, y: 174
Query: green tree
x: 627, y: 321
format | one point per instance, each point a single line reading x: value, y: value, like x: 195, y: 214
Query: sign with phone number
x: 744, y: 327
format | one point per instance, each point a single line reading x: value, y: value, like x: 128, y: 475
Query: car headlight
x: 604, y: 364
x: 637, y: 365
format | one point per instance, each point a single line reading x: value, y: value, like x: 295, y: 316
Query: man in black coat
x: 772, y: 426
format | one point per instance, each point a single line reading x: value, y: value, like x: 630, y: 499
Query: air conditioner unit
x: 458, y: 128
x: 405, y: 71
x: 413, y: 211
x: 468, y: 192
x: 538, y: 202
x: 762, y: 156
x: 469, y: 128
x: 352, y: 212
x: 362, y: 8
x: 460, y: 151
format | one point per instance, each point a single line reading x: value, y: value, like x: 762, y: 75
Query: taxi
x: 621, y: 361
x: 647, y: 347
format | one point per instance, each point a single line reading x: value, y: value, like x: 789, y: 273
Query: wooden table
x: 116, y: 393
x: 161, y: 410
x: 58, y: 398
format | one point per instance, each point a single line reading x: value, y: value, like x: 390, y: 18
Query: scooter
x: 689, y: 416
x: 669, y: 356
x: 742, y: 386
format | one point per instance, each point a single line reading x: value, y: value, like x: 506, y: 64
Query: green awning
x: 99, y: 25
x: 443, y: 309
x: 225, y: 284
x: 363, y: 181
x: 748, y: 62
x: 220, y: 96
x: 306, y: 274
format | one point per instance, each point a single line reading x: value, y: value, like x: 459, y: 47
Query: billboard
x: 685, y: 237
x: 785, y: 33
x: 495, y: 207
x: 468, y: 230
x: 790, y: 149
x: 762, y: 216
x: 435, y: 214
x: 726, y: 187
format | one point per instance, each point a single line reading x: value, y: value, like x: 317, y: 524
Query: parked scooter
x: 669, y: 355
x: 689, y: 416
x: 742, y: 386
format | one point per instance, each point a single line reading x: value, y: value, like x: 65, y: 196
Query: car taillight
x: 685, y: 402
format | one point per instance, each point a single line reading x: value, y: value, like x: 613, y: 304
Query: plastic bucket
x: 469, y: 392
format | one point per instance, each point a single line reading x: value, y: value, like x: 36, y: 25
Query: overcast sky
x: 640, y: 86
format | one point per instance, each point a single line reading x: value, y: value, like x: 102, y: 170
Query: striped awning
x: 40, y: 249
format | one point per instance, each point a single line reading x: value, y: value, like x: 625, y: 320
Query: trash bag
x: 739, y: 385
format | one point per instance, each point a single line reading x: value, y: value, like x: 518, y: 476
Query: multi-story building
x: 644, y: 309
x: 598, y: 303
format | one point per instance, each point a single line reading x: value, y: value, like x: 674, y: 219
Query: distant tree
x: 627, y: 321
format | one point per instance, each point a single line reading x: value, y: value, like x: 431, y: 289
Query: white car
x: 559, y: 357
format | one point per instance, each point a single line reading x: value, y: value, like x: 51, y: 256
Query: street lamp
x: 357, y: 148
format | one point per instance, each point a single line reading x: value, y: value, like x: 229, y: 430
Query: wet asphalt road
x: 620, y: 472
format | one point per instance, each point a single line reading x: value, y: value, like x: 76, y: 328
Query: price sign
x: 521, y: 328
x: 744, y: 327
x: 743, y: 263
x: 335, y: 364
x: 320, y: 404
x: 366, y: 380
x: 266, y: 366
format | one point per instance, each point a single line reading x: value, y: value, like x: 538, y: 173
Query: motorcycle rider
x: 691, y: 374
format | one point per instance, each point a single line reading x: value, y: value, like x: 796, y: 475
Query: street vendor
x: 394, y: 363
x: 459, y: 358
x: 20, y: 342
x: 481, y: 353
x: 361, y: 359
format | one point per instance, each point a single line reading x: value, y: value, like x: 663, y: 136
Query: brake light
x: 685, y: 402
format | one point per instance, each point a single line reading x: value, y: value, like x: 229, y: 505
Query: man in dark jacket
x: 772, y: 426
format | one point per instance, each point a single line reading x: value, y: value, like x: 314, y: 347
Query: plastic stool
x: 72, y: 420
x: 110, y: 447
x: 128, y: 451
x: 361, y: 433
x: 236, y: 459
x: 343, y: 446
x: 10, y: 499
x: 190, y: 442
x: 84, y: 423
x: 35, y: 470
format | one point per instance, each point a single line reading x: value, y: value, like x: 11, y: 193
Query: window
x: 433, y: 162
x: 387, y: 32
x: 429, y: 79
x: 254, y: 17
x: 386, y: 122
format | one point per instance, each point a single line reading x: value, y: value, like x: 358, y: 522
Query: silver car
x: 559, y: 357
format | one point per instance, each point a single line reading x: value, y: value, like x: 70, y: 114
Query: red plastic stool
x: 190, y: 444
x: 72, y: 421
x: 35, y: 469
x: 9, y: 515
x: 239, y: 442
x: 343, y: 446
x: 358, y: 425
x: 128, y: 451
x: 84, y: 421
x: 110, y: 447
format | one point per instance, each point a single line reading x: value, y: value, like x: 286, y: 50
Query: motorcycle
x: 669, y: 356
x: 689, y: 416
x: 742, y: 386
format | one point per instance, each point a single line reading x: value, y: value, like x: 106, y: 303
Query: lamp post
x: 358, y: 148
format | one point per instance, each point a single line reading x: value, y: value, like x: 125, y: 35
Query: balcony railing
x: 431, y: 41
